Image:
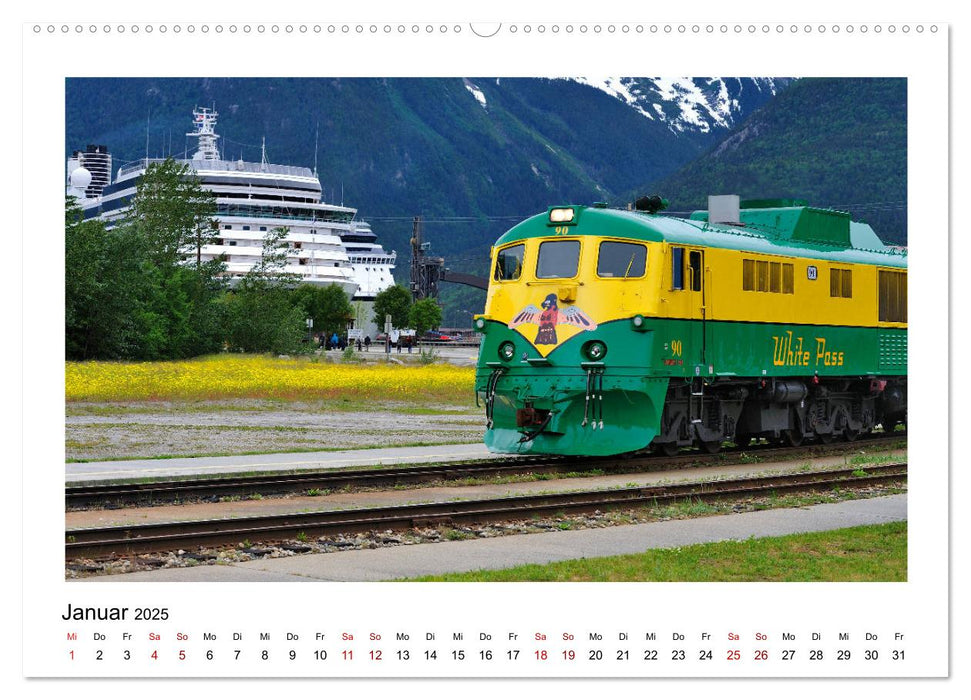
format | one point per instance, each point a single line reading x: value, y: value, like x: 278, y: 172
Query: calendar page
x: 438, y: 343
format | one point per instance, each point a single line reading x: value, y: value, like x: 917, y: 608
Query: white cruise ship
x: 325, y: 243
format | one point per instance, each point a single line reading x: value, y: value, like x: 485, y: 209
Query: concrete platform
x: 75, y: 472
x: 502, y: 552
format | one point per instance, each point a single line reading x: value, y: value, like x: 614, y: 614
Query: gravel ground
x: 152, y: 429
x: 248, y: 551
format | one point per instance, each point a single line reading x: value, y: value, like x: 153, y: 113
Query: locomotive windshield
x: 621, y: 259
x: 509, y: 263
x: 558, y: 259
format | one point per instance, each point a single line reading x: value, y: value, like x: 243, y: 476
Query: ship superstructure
x: 325, y: 243
x: 97, y: 162
x: 372, y: 265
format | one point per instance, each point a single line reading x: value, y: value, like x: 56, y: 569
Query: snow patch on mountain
x: 692, y: 103
x: 684, y: 104
x: 619, y: 88
x: 476, y: 91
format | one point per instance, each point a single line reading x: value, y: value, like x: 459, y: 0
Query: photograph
x: 543, y: 329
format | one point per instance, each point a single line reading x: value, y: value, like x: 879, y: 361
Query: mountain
x: 471, y: 155
x: 836, y: 142
x: 441, y: 147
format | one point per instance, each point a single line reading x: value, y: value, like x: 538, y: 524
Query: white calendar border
x: 926, y: 593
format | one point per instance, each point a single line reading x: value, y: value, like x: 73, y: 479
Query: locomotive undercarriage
x: 784, y: 411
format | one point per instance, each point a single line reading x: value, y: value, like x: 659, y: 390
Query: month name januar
x: 76, y: 613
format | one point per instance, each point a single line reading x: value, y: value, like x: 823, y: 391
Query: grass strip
x: 867, y: 553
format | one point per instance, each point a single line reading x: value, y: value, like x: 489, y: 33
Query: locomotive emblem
x: 549, y: 317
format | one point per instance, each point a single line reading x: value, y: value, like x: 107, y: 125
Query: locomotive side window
x: 558, y: 259
x: 841, y: 283
x: 509, y: 263
x: 775, y: 277
x: 677, y: 268
x: 765, y: 276
x: 762, y: 273
x: 788, y: 278
x: 694, y: 262
x: 748, y: 275
x: 621, y: 260
x: 893, y: 296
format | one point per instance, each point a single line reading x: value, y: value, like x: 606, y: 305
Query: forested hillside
x: 836, y: 142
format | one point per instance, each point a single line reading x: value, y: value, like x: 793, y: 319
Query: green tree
x: 181, y: 316
x: 173, y: 212
x: 424, y: 315
x: 104, y: 288
x: 261, y: 313
x: 328, y: 306
x: 262, y: 319
x: 396, y: 301
x: 170, y: 220
x: 271, y: 268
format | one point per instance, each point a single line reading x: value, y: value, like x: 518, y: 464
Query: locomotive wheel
x: 792, y: 438
x: 826, y: 438
x: 712, y: 446
x: 668, y: 449
x: 850, y: 435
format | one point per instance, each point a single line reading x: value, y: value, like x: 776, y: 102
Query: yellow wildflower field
x: 248, y: 376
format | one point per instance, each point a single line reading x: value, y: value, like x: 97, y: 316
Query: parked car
x: 436, y: 336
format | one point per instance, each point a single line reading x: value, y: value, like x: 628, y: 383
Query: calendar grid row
x: 401, y: 649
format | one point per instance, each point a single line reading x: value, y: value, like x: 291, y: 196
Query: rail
x: 161, y: 537
x: 173, y: 491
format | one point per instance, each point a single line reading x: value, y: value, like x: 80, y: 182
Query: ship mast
x: 204, y: 121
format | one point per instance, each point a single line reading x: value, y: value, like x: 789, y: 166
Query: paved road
x: 206, y: 466
x: 502, y: 552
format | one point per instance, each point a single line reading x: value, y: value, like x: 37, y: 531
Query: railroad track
x: 108, y: 542
x: 160, y: 492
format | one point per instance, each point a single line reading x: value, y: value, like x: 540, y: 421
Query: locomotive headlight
x: 506, y: 351
x: 596, y: 350
x: 561, y: 215
x: 480, y: 323
x: 638, y: 323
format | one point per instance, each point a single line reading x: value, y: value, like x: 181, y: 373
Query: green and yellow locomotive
x: 608, y: 331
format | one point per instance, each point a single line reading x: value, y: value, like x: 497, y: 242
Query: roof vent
x: 724, y: 209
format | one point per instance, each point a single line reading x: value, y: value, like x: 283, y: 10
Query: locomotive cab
x: 567, y: 324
